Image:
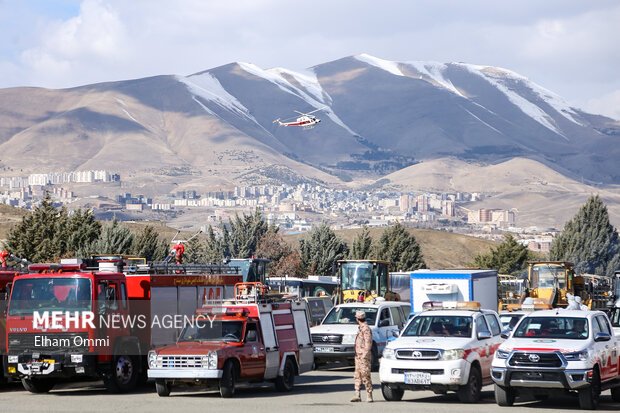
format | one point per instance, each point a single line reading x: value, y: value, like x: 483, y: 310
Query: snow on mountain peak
x: 386, y: 65
x: 209, y: 88
x: 500, y: 78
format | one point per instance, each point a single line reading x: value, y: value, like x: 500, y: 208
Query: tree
x: 321, y: 251
x: 214, y: 252
x: 589, y: 240
x: 509, y: 257
x: 114, y: 239
x: 284, y: 260
x: 49, y: 233
x: 147, y: 245
x: 362, y: 245
x: 195, y: 251
x: 400, y: 249
x: 82, y: 229
x: 244, y: 234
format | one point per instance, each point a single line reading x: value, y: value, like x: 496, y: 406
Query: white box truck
x: 454, y: 285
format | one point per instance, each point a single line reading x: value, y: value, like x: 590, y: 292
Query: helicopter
x: 306, y: 120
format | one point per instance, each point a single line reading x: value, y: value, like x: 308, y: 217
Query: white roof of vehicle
x: 461, y: 313
x: 375, y: 305
x: 561, y: 312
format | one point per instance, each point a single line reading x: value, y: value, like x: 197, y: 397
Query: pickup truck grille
x: 46, y: 342
x: 413, y: 354
x: 536, y: 376
x: 179, y: 361
x: 528, y: 359
x: 327, y: 338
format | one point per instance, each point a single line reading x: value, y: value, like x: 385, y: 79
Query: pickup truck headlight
x: 348, y: 339
x: 577, y: 356
x: 389, y: 354
x: 453, y: 354
x: 152, y: 359
x: 502, y: 354
x: 210, y: 360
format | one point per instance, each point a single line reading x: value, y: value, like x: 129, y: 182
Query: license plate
x: 417, y: 377
x: 324, y: 349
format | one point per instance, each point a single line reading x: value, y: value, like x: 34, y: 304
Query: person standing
x: 363, y: 351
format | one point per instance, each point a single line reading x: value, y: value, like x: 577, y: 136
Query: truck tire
x: 124, y: 374
x: 37, y: 385
x: 286, y: 381
x: 471, y: 392
x: 615, y: 394
x: 227, y: 382
x: 504, y: 396
x: 589, y: 397
x: 162, y: 387
x: 390, y: 394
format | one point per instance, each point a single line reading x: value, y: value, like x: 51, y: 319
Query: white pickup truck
x: 559, y: 351
x: 442, y: 350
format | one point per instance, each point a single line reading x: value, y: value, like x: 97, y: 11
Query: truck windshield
x: 442, y: 326
x: 553, y: 327
x: 204, y: 330
x: 50, y: 294
x: 358, y: 276
x: 547, y: 274
x: 346, y: 315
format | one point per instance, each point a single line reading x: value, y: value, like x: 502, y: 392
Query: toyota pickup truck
x: 558, y: 351
x: 447, y: 348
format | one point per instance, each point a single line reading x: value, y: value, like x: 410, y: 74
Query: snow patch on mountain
x: 386, y: 65
x: 497, y: 76
x: 307, y: 80
x: 434, y: 71
x: 209, y: 88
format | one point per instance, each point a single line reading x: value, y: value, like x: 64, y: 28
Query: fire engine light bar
x: 56, y: 267
x: 451, y: 305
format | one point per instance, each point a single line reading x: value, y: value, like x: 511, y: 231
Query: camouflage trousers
x: 362, y: 374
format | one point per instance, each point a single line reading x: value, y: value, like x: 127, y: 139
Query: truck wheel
x: 37, y: 385
x: 227, y: 382
x: 504, y: 396
x: 124, y: 375
x: 615, y: 394
x: 588, y: 397
x: 286, y: 381
x: 162, y: 387
x: 470, y: 393
x: 390, y: 394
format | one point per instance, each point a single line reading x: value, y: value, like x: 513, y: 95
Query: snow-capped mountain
x: 377, y: 116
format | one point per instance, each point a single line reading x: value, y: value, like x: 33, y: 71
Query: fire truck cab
x: 250, y: 340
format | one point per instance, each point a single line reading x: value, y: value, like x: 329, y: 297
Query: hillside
x: 440, y: 249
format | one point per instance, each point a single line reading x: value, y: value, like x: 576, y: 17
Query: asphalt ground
x: 316, y: 391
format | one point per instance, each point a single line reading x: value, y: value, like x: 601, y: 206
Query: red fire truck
x: 7, y: 274
x: 254, y: 339
x: 84, y: 319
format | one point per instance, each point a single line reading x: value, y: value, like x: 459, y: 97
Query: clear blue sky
x: 568, y: 46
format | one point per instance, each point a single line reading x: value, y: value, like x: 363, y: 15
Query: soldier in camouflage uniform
x: 363, y: 350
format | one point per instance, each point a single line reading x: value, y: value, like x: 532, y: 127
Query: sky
x: 567, y: 46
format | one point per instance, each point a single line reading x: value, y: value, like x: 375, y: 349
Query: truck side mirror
x: 505, y: 334
x: 395, y: 333
x: 602, y: 337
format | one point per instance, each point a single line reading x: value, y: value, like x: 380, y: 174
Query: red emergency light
x: 56, y: 267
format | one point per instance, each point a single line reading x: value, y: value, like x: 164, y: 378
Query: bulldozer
x: 548, y: 283
x: 363, y: 280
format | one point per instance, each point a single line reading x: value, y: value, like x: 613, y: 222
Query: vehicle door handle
x: 262, y: 348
